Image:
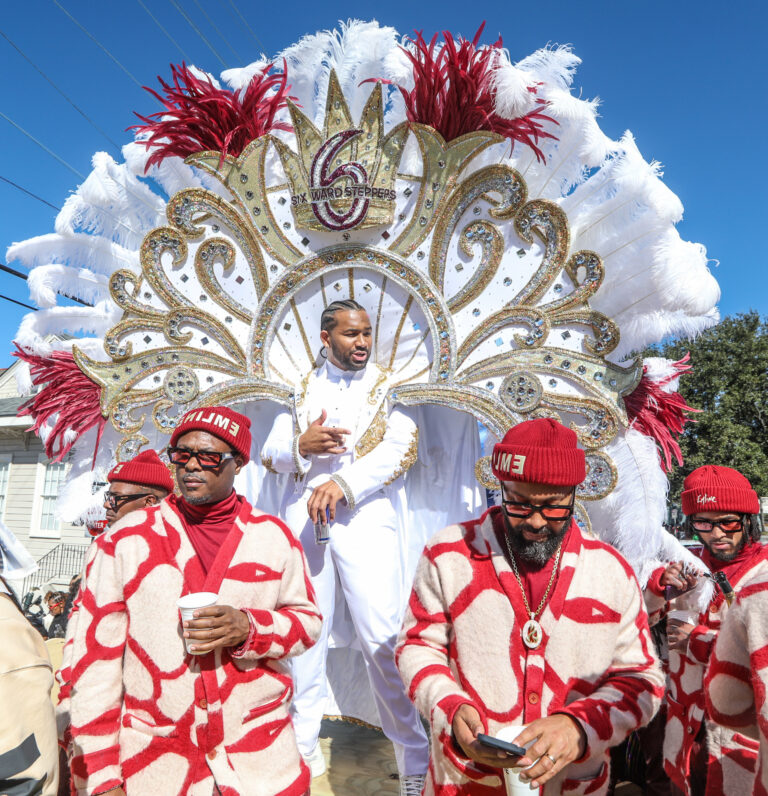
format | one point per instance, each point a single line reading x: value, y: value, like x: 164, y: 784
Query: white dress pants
x: 363, y: 550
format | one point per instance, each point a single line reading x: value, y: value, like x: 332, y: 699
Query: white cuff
x: 345, y: 488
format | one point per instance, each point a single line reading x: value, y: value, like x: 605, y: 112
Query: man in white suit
x: 347, y: 450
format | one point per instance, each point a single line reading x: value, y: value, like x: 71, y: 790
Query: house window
x: 4, y: 470
x: 54, y: 478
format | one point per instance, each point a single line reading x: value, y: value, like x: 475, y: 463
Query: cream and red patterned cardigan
x: 461, y: 643
x: 150, y: 718
x: 736, y: 681
x: 731, y: 755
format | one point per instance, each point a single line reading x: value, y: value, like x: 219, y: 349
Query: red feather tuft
x: 453, y: 92
x: 68, y: 393
x: 661, y: 414
x: 197, y: 116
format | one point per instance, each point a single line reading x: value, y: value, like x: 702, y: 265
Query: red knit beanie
x: 540, y: 451
x: 224, y: 423
x: 146, y: 469
x: 715, y: 488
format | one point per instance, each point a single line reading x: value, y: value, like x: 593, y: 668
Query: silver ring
x: 553, y: 759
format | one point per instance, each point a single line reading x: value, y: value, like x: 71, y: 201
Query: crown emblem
x: 343, y: 177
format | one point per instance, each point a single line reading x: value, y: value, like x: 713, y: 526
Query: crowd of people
x: 519, y: 624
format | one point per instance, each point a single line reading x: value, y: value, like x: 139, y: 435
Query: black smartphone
x: 502, y: 746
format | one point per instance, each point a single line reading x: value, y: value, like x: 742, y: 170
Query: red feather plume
x: 661, y: 414
x: 197, y: 116
x: 453, y: 92
x: 68, y: 393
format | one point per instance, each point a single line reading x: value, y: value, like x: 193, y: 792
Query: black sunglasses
x: 115, y: 501
x: 208, y: 460
x: 521, y: 511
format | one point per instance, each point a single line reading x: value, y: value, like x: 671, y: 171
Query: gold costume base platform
x: 361, y: 762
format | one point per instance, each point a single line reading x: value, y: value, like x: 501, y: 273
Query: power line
x: 20, y: 303
x: 221, y: 35
x: 40, y: 71
x: 43, y: 146
x: 97, y: 42
x: 245, y: 22
x: 12, y: 271
x: 173, y: 41
x: 29, y: 193
x: 196, y: 29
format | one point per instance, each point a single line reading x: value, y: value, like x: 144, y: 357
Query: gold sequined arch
x: 486, y: 308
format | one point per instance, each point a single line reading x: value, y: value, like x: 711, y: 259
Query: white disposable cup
x: 512, y: 775
x: 187, y: 606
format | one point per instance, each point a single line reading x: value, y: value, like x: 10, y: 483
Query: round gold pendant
x: 532, y: 634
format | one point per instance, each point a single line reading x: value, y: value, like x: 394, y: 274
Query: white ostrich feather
x: 357, y: 51
x: 95, y: 320
x: 47, y: 282
x: 201, y: 74
x: 511, y: 90
x: 111, y: 202
x: 78, y: 249
x: 239, y: 77
x: 555, y: 65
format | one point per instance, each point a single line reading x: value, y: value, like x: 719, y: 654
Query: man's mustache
x: 543, y: 532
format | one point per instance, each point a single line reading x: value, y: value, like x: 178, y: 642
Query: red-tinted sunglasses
x: 521, y: 511
x: 726, y: 526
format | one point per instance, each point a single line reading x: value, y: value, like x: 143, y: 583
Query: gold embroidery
x: 374, y: 434
x: 408, y: 460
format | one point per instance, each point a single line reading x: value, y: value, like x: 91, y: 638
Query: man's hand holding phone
x: 468, y: 731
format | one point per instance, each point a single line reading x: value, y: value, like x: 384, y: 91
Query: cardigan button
x: 689, y: 730
x: 533, y: 698
x: 203, y: 704
x: 211, y: 754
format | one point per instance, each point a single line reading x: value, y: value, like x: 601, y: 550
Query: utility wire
x: 12, y: 271
x: 77, y: 108
x: 97, y: 42
x: 20, y: 303
x: 173, y: 41
x: 237, y: 11
x: 221, y: 35
x: 29, y: 193
x: 24, y: 276
x: 43, y: 146
x: 76, y: 172
x: 196, y: 29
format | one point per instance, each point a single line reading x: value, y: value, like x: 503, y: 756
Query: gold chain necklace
x: 532, y: 632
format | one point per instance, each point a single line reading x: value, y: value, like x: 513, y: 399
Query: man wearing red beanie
x: 736, y: 680
x: 139, y: 483
x: 521, y: 618
x: 199, y: 707
x: 700, y: 755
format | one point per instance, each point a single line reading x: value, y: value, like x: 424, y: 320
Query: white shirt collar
x: 337, y: 374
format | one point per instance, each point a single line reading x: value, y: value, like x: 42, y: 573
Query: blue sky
x: 688, y: 78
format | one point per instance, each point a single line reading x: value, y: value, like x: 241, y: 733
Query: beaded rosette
x: 499, y: 277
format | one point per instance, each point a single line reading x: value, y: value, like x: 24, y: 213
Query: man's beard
x: 199, y: 500
x: 346, y: 361
x: 539, y: 551
x: 728, y: 556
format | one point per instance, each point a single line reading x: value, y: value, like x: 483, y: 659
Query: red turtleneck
x: 208, y: 524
